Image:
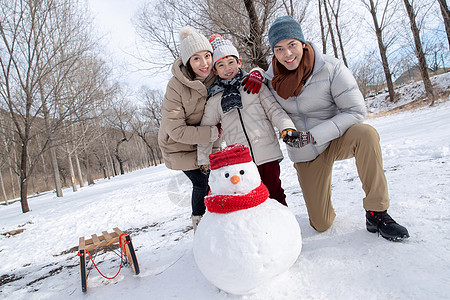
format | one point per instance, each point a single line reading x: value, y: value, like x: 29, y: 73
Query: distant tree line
x: 64, y: 119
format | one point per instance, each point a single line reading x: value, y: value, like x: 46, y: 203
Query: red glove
x: 252, y: 83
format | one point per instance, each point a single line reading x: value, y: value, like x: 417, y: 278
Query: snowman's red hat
x: 230, y: 155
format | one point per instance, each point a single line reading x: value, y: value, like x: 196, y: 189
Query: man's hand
x: 285, y: 131
x: 252, y: 83
x: 298, y: 139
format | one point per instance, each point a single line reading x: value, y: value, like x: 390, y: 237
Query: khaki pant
x: 360, y: 141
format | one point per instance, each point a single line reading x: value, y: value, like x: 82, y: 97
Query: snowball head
x: 245, y: 249
x: 221, y: 183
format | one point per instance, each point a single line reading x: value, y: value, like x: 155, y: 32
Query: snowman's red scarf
x: 229, y: 203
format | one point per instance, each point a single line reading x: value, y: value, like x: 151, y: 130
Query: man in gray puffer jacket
x: 322, y: 98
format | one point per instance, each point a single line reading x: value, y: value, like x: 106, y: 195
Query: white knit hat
x: 222, y: 48
x: 192, y: 42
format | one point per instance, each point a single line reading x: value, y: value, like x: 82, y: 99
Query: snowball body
x: 244, y: 249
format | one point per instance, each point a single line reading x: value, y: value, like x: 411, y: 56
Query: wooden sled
x: 103, y: 240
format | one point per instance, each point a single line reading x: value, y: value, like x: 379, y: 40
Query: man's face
x: 227, y: 67
x: 289, y: 53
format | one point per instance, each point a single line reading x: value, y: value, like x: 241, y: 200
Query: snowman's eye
x: 242, y: 172
x: 227, y: 175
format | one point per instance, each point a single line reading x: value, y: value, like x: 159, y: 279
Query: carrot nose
x: 234, y: 179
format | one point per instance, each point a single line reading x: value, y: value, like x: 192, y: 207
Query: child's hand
x: 252, y: 83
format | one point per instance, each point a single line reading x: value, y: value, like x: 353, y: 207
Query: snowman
x: 245, y: 239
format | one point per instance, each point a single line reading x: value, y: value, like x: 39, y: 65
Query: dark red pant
x: 270, y: 176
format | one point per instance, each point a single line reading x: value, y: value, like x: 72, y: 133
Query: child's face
x: 227, y: 67
x: 201, y: 63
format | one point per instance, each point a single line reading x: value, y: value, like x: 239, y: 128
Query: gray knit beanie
x: 285, y: 27
x: 192, y: 42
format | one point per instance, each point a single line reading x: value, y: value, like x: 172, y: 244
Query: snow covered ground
x: 406, y: 93
x: 345, y: 262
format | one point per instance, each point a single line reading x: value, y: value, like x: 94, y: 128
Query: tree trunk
x: 118, y: 158
x: 106, y: 156
x: 16, y: 177
x: 69, y: 147
x: 79, y: 173
x: 338, y: 32
x: 114, y: 166
x: 56, y: 176
x: 341, y: 45
x: 23, y: 178
x: 382, y: 48
x: 10, y: 160
x: 150, y: 150
x: 49, y: 129
x: 53, y: 159
x: 90, y: 180
x: 419, y: 52
x: 3, y: 188
x: 160, y: 157
x: 322, y: 29
x: 330, y: 29
x: 152, y: 157
x: 44, y: 167
x: 255, y: 40
x: 446, y: 16
x: 72, y: 172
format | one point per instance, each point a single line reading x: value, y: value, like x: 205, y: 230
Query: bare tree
x: 2, y: 185
x: 71, y: 37
x: 7, y: 149
x: 322, y: 29
x: 367, y: 73
x: 40, y: 41
x: 419, y: 51
x: 88, y: 92
x: 330, y: 29
x: 245, y: 22
x: 335, y: 7
x: 379, y: 27
x: 157, y: 26
x: 446, y: 16
x: 147, y: 122
x: 119, y: 117
x: 26, y: 29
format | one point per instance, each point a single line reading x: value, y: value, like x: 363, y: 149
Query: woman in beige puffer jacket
x: 182, y: 110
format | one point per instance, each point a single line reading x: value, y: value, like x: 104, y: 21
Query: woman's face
x: 201, y: 63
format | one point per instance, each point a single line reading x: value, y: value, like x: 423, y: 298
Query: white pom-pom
x: 185, y: 32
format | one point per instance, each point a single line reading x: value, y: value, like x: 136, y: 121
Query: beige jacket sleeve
x: 176, y: 122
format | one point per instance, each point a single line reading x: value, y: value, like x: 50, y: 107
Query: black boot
x: 381, y: 221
